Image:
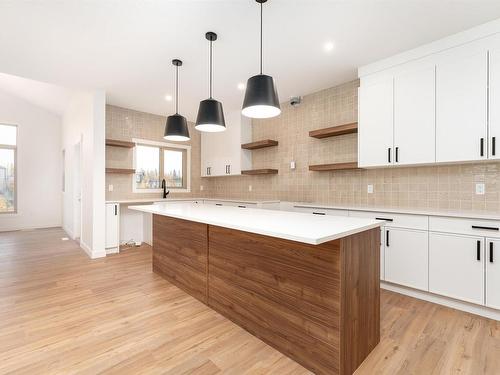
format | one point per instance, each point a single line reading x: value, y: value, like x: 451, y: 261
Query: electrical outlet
x: 110, y: 188
x: 480, y: 189
x: 249, y: 187
x: 201, y: 187
x: 292, y: 165
x: 370, y: 189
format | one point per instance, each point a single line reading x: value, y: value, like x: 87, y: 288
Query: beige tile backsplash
x: 444, y: 187
x: 125, y: 124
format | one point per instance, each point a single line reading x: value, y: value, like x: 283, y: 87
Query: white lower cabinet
x: 406, y: 257
x: 493, y: 273
x: 456, y: 266
x: 112, y: 226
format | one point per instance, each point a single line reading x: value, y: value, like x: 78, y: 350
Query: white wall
x: 84, y: 122
x: 39, y: 167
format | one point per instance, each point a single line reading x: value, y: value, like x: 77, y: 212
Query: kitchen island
x: 307, y: 285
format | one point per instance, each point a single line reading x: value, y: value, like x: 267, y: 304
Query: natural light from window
x: 147, y: 170
x: 8, y: 143
x: 172, y: 168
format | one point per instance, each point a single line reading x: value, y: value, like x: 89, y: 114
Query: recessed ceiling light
x: 241, y: 86
x: 328, y: 46
x: 168, y: 98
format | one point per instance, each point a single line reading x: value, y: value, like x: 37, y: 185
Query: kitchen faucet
x: 164, y: 187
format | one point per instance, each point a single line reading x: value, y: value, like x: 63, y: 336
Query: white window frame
x: 10, y: 147
x: 147, y: 142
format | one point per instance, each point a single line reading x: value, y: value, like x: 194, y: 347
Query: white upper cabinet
x: 221, y: 153
x: 461, y: 106
x: 375, y: 134
x: 494, y: 105
x: 414, y: 117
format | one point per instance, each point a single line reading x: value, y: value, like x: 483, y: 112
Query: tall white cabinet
x: 221, y: 153
x: 462, y: 106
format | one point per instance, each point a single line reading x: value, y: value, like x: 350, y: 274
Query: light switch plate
x: 292, y: 165
x: 249, y: 187
x: 480, y: 189
x: 370, y: 189
x: 110, y: 188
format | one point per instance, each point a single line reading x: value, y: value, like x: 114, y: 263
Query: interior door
x: 414, y: 117
x: 493, y: 273
x: 406, y: 257
x: 461, y: 107
x: 456, y: 266
x: 376, y: 127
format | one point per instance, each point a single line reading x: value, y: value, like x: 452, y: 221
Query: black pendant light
x: 261, y: 99
x: 210, y: 114
x: 176, y: 128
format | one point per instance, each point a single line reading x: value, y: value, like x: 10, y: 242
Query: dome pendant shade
x: 261, y: 98
x: 176, y: 128
x: 210, y: 116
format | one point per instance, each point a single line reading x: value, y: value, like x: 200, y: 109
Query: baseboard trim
x: 444, y: 301
x: 69, y: 232
x: 90, y: 253
x: 30, y: 227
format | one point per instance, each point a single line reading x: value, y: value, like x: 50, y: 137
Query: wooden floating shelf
x: 333, y: 167
x: 260, y: 171
x: 120, y: 170
x: 259, y: 144
x: 117, y: 143
x: 334, y: 131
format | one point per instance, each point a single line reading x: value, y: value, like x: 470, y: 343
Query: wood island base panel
x: 317, y: 304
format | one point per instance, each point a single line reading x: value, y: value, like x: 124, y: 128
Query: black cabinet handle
x: 115, y: 209
x: 242, y: 206
x: 389, y: 154
x: 493, y: 146
x: 485, y: 228
x: 383, y: 218
x: 397, y: 154
x: 319, y: 213
x: 218, y: 204
x: 482, y: 146
x: 478, y: 255
x: 386, y: 238
x: 491, y: 252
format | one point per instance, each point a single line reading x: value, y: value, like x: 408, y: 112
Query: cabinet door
x: 112, y: 220
x: 406, y: 257
x: 375, y: 134
x: 414, y: 117
x: 456, y: 266
x: 493, y: 273
x: 461, y: 107
x: 494, y: 107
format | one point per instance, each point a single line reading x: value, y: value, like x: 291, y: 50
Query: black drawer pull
x: 485, y: 228
x: 397, y: 154
x: 242, y: 206
x: 383, y: 218
x: 387, y: 238
x: 493, y: 146
x: 478, y: 255
x: 482, y: 146
x: 491, y: 252
x: 115, y: 209
x: 389, y: 154
x: 218, y: 204
x: 319, y: 213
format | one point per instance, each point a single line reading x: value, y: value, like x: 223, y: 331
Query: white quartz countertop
x: 151, y: 200
x: 294, y: 226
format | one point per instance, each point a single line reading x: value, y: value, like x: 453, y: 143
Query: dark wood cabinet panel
x: 180, y: 254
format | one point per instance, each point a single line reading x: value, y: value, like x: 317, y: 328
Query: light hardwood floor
x: 62, y: 313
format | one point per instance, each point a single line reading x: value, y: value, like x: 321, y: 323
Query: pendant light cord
x: 210, y: 75
x: 260, y: 38
x: 177, y: 89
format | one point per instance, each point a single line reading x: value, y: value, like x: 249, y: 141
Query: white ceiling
x: 125, y: 47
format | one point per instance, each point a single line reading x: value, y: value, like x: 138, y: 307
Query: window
x: 155, y: 161
x: 8, y: 150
